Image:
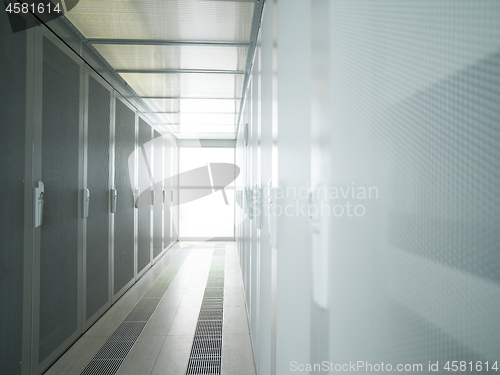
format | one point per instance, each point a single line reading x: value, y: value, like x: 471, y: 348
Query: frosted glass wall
x: 394, y: 108
x: 414, y: 114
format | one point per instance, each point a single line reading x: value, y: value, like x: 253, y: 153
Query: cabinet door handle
x: 137, y: 192
x: 114, y: 195
x: 39, y: 191
x: 86, y: 203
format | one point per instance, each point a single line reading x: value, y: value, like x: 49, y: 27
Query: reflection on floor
x: 164, y: 345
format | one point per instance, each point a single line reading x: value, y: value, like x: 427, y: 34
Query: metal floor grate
x: 142, y: 315
x: 109, y: 358
x: 205, y: 357
x: 114, y: 350
x: 102, y: 367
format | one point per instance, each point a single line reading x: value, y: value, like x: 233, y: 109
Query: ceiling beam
x: 185, y: 98
x: 209, y: 133
x: 237, y: 1
x: 158, y: 42
x: 229, y: 143
x: 180, y: 71
x: 204, y: 125
x: 198, y: 113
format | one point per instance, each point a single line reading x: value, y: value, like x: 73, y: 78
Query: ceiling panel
x: 163, y: 105
x: 198, y: 118
x: 169, y: 118
x: 164, y: 128
x: 211, y: 105
x: 193, y: 105
x: 173, y: 57
x: 209, y: 119
x: 205, y: 135
x: 193, y: 85
x: 164, y: 19
x: 203, y: 128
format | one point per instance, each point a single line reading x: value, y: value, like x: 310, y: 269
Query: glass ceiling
x: 185, y: 58
x: 194, y: 105
x: 184, y: 118
x: 164, y: 19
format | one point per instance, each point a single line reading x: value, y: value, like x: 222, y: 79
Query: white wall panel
x: 264, y: 345
x: 294, y: 271
x: 278, y: 116
x: 254, y: 142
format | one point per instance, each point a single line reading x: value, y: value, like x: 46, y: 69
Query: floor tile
x: 173, y: 357
x: 237, y: 355
x: 172, y: 297
x: 233, y: 296
x: 182, y: 280
x: 185, y: 320
x: 160, y: 322
x: 142, y: 357
x: 193, y: 297
x: 235, y: 320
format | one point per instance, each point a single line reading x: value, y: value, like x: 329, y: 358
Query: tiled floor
x: 165, y: 343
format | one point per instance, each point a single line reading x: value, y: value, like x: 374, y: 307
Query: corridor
x: 165, y: 343
x: 249, y: 187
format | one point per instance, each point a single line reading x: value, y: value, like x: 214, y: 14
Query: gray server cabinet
x: 97, y: 249
x: 160, y: 195
x: 145, y: 183
x: 123, y: 259
x: 13, y: 62
x: 58, y: 164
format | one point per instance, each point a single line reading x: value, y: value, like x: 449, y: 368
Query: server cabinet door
x: 96, y: 251
x: 59, y: 165
x: 145, y: 184
x: 160, y: 195
x: 13, y: 62
x: 123, y: 258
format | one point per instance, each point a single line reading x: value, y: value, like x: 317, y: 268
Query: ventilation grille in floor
x: 205, y: 357
x: 112, y: 354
